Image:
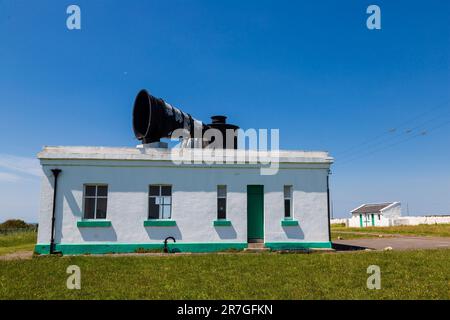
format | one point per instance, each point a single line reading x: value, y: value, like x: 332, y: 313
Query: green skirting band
x: 102, y: 248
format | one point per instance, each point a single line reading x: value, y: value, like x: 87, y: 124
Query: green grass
x: 404, y: 275
x: 15, y: 242
x: 350, y: 236
x: 436, y: 230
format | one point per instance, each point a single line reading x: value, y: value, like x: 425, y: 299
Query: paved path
x: 399, y: 243
x: 20, y: 255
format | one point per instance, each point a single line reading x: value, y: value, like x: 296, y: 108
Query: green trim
x: 159, y: 223
x: 289, y: 223
x: 255, y: 211
x: 101, y: 248
x: 93, y: 223
x: 297, y: 245
x: 42, y: 248
x: 222, y: 223
x: 360, y: 220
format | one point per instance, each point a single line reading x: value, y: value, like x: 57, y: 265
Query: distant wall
x: 400, y: 221
x: 413, y: 221
x: 339, y: 221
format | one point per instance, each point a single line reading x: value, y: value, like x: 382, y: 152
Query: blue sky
x: 310, y: 68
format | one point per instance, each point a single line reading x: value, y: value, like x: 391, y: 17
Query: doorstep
x: 256, y: 247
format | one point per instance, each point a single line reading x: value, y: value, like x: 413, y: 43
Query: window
x: 221, y: 202
x: 288, y: 202
x: 95, y: 201
x: 160, y: 202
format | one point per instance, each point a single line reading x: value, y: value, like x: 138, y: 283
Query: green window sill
x: 159, y: 223
x: 289, y: 223
x: 222, y: 223
x: 93, y: 223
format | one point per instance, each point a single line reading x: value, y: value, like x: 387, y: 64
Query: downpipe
x: 56, y: 173
x: 328, y: 205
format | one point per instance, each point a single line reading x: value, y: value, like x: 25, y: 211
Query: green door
x: 255, y: 212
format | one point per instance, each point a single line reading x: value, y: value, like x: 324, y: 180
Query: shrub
x: 14, y: 224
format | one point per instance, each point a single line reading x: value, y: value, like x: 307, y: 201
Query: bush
x: 14, y: 224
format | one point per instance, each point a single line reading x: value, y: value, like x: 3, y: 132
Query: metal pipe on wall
x: 56, y: 173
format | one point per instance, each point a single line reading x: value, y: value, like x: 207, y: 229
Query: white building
x: 127, y: 199
x: 375, y: 215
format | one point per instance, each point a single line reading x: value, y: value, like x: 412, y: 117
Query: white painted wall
x: 413, y: 221
x: 381, y: 221
x: 392, y: 211
x: 339, y: 221
x: 353, y: 222
x: 193, y: 197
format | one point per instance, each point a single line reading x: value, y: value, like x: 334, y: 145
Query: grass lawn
x: 349, y: 236
x: 404, y: 275
x: 435, y: 230
x: 21, y: 241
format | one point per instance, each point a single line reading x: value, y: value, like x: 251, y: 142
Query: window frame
x: 291, y: 202
x: 222, y: 197
x: 159, y: 205
x: 95, y: 197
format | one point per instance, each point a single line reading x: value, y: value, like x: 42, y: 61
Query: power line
x: 399, y: 142
x: 417, y: 127
x: 374, y: 140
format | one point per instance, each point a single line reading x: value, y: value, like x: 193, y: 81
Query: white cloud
x: 9, y: 177
x: 19, y: 176
x: 28, y: 166
x: 19, y: 199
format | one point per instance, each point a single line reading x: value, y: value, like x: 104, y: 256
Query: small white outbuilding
x: 375, y: 215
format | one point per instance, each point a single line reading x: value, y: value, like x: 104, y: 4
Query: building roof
x: 158, y: 154
x: 372, y: 207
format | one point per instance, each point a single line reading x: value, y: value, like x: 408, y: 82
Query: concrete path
x: 399, y: 243
x: 20, y: 255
